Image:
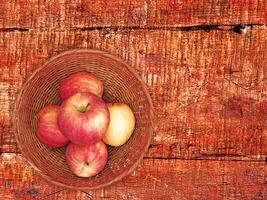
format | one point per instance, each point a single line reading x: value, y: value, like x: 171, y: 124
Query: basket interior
x: 120, y: 85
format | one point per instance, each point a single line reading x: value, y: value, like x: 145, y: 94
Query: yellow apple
x: 121, y: 124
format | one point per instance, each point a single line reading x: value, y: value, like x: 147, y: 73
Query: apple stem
x: 83, y: 108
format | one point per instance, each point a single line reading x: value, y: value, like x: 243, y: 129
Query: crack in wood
x: 15, y: 29
x: 238, y: 28
x: 222, y: 159
x: 221, y: 155
x: 209, y: 157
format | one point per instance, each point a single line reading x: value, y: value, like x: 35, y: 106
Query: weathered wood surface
x: 204, y: 64
x: 154, y: 179
x: 208, y: 88
x: 73, y: 14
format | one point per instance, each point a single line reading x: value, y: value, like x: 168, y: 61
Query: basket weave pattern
x: 121, y: 84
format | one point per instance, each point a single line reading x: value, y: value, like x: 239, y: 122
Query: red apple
x: 80, y: 82
x: 48, y: 131
x: 86, y: 161
x: 83, y: 118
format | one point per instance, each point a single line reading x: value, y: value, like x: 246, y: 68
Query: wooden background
x: 204, y: 63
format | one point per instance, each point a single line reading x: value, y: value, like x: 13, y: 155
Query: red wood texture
x: 210, y: 103
x: 75, y: 14
x: 204, y: 63
x: 154, y: 179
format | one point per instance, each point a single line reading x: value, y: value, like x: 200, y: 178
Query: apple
x: 48, y: 132
x: 86, y: 161
x: 80, y: 82
x: 121, y: 126
x: 83, y: 118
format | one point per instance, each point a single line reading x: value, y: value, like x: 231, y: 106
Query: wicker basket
x: 121, y: 84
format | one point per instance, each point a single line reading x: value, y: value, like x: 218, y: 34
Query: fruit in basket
x: 121, y: 126
x: 86, y: 161
x: 83, y: 118
x: 80, y: 82
x: 48, y: 131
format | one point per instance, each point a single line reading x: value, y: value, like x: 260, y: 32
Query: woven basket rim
x: 43, y: 65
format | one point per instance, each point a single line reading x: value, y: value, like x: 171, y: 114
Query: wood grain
x: 171, y: 179
x: 74, y: 14
x: 208, y: 88
x: 204, y: 63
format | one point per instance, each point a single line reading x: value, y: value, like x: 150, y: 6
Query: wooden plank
x: 71, y: 14
x: 18, y: 180
x: 171, y: 179
x: 208, y: 88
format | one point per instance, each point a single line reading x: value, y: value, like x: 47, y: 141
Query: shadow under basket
x: 121, y: 84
